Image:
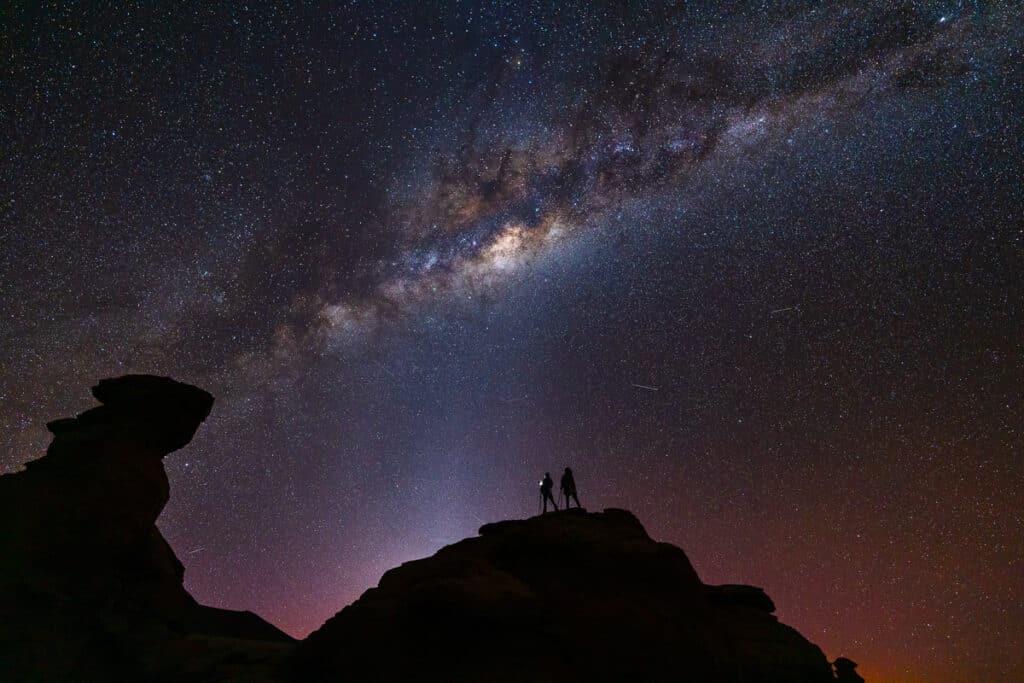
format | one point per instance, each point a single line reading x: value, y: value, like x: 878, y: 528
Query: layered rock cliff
x: 568, y: 596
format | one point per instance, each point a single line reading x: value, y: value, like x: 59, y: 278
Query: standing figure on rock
x: 545, y: 491
x: 568, y: 487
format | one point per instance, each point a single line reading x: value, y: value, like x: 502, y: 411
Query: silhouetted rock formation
x: 570, y: 596
x: 846, y: 671
x: 90, y: 589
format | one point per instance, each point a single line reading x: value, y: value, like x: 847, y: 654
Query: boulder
x: 741, y: 596
x: 846, y: 671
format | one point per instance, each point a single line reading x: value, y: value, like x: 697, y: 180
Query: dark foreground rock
x: 89, y: 589
x: 569, y: 596
x: 846, y: 671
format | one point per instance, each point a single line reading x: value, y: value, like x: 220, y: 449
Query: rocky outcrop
x: 846, y: 671
x: 90, y: 589
x: 569, y: 596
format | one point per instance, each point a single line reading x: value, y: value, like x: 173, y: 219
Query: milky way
x: 752, y: 271
x: 651, y: 114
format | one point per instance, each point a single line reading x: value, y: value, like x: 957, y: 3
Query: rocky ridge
x: 567, y: 596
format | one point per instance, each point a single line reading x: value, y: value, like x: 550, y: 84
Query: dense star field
x: 752, y: 272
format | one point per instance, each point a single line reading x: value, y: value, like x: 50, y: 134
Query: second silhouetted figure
x: 545, y: 491
x: 568, y: 487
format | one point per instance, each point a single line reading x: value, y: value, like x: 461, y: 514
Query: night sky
x: 753, y: 272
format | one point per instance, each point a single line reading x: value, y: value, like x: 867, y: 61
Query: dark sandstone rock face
x: 89, y: 589
x: 568, y: 596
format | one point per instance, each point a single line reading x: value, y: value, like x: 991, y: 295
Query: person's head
x: 547, y: 474
x: 568, y: 470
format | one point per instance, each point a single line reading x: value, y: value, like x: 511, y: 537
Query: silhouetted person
x: 568, y: 487
x: 545, y: 491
